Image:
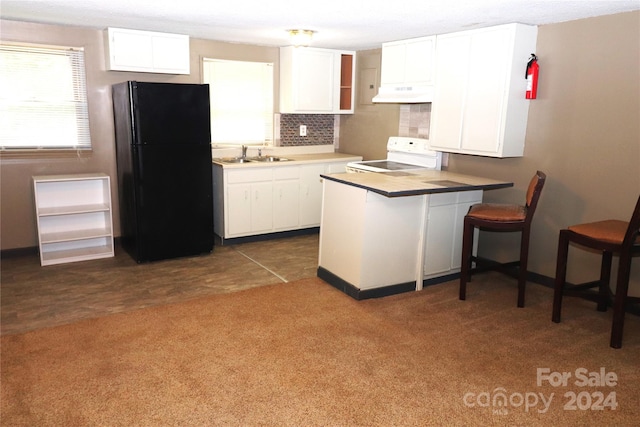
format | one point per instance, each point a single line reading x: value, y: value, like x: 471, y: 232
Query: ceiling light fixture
x: 301, y: 37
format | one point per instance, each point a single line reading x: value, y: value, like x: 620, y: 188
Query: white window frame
x: 43, y: 98
x: 241, y: 98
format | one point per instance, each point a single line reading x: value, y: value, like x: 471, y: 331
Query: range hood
x: 404, y: 94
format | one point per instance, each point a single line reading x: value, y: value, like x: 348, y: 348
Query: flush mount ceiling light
x: 300, y: 37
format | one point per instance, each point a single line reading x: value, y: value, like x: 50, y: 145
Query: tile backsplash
x: 320, y: 129
x: 323, y: 129
x: 415, y: 120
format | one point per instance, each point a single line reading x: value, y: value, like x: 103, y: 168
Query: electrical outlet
x: 303, y: 130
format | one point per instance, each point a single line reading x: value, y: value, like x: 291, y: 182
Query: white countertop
x: 415, y: 183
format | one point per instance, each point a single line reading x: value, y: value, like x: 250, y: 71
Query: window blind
x: 241, y: 101
x: 43, y: 98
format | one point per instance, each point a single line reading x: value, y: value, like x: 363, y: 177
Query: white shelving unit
x: 74, y: 217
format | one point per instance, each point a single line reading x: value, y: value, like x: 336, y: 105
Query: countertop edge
x: 421, y: 191
x: 296, y: 159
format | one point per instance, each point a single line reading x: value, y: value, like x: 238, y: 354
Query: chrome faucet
x: 244, y: 151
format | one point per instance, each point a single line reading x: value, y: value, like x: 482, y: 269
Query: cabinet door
x: 130, y: 50
x: 286, y: 204
x: 483, y: 112
x: 238, y: 206
x: 408, y: 62
x: 419, y: 68
x: 452, y: 66
x: 393, y: 61
x: 311, y: 195
x: 316, y: 83
x: 439, y: 243
x: 261, y: 206
x: 445, y: 222
x: 171, y: 53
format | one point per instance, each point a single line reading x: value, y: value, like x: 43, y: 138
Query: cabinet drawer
x: 442, y: 199
x: 291, y: 172
x: 249, y: 175
x: 470, y: 196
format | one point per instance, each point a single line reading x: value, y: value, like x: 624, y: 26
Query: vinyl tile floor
x: 34, y: 297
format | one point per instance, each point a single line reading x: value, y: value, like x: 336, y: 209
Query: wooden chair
x: 501, y: 217
x: 608, y: 237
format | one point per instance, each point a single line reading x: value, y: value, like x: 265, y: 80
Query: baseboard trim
x: 12, y: 253
x: 356, y: 293
x: 361, y: 294
x: 268, y: 236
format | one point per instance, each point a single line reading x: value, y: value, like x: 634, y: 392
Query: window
x: 43, y: 98
x: 241, y: 101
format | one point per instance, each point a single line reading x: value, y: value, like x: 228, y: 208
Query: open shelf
x: 70, y: 210
x: 60, y: 256
x: 346, y: 82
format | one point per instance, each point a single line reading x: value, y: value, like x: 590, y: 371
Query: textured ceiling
x: 346, y: 24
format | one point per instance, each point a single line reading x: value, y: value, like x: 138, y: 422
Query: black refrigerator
x: 163, y: 149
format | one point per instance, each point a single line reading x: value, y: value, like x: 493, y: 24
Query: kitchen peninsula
x: 392, y: 232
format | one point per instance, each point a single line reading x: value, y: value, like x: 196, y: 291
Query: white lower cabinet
x: 311, y: 194
x: 251, y: 201
x: 443, y: 237
x: 248, y: 201
x: 286, y: 197
x: 74, y: 219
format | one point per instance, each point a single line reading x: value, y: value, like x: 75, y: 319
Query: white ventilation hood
x: 404, y: 94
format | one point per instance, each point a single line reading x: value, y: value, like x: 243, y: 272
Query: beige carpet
x: 304, y: 354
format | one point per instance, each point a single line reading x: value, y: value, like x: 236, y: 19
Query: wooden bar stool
x: 501, y: 217
x: 609, y: 237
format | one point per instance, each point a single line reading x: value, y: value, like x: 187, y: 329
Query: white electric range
x: 403, y: 154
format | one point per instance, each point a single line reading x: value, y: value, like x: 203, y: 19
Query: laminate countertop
x: 416, y: 183
x: 292, y: 159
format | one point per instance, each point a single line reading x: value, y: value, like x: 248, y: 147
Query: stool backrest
x: 633, y: 231
x: 533, y: 192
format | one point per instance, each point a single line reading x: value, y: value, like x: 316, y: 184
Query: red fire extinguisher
x: 532, y: 76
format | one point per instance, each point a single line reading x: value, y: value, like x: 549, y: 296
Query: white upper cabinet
x: 408, y: 68
x: 316, y: 80
x: 148, y: 52
x: 479, y: 105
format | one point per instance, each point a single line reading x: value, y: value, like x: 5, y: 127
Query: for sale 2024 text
x: 582, y: 377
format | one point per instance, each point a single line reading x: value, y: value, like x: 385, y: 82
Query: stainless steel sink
x: 269, y: 159
x: 234, y: 160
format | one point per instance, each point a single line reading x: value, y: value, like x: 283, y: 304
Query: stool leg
x: 561, y: 274
x: 605, y: 274
x: 522, y: 276
x: 467, y: 249
x: 622, y: 287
